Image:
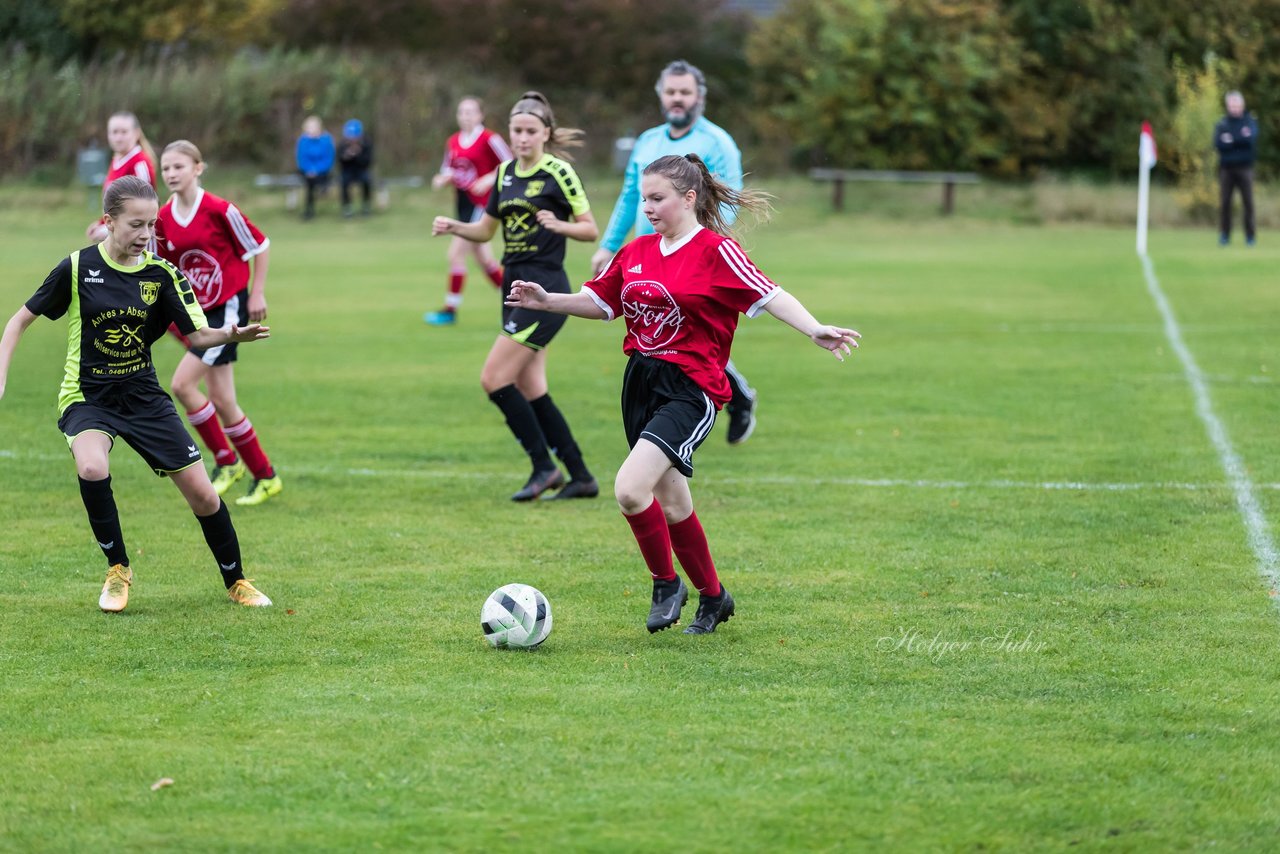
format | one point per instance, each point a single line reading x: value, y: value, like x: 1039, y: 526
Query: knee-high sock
x: 246, y: 442
x: 457, y: 279
x: 220, y: 534
x: 690, y: 544
x: 524, y: 425
x: 104, y: 519
x: 205, y: 420
x: 559, y: 437
x: 495, y: 275
x: 649, y: 527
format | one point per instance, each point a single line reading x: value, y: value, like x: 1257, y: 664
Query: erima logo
x: 95, y: 272
x: 228, y: 567
x: 635, y: 269
x: 510, y: 326
x: 194, y: 452
x: 93, y: 277
x: 106, y: 546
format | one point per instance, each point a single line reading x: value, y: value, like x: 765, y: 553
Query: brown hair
x: 143, y: 142
x: 121, y: 190
x: 537, y: 105
x: 690, y: 172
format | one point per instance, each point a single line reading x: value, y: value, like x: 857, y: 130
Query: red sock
x: 246, y: 441
x: 495, y: 275
x: 650, y: 530
x: 690, y: 544
x: 453, y: 299
x: 206, y: 422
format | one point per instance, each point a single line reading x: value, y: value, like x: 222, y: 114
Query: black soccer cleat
x: 577, y: 489
x: 742, y: 421
x: 538, y: 483
x: 712, y: 611
x: 668, y: 598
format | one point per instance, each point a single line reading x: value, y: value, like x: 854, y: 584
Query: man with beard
x: 682, y: 91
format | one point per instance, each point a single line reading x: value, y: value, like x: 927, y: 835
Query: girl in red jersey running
x: 132, y: 154
x: 680, y: 292
x: 210, y: 241
x: 471, y: 160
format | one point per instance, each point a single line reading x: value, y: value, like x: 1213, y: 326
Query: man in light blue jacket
x: 682, y: 91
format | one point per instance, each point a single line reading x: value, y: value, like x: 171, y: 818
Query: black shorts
x: 533, y: 329
x: 233, y: 311
x: 468, y: 211
x: 146, y: 419
x: 660, y: 403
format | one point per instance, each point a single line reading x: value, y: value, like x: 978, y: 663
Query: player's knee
x: 94, y: 469
x: 204, y: 502
x: 631, y: 498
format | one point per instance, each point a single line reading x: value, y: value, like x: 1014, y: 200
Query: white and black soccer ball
x: 516, y: 615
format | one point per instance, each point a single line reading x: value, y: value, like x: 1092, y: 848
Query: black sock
x: 524, y: 424
x: 559, y: 437
x: 104, y: 519
x: 220, y: 534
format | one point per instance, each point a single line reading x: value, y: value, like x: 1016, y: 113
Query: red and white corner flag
x: 1147, y: 147
x: 1146, y: 159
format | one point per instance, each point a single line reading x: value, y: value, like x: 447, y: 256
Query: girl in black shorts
x: 539, y: 202
x: 680, y: 292
x: 121, y: 299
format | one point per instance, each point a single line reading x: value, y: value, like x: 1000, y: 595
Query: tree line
x: 1006, y: 87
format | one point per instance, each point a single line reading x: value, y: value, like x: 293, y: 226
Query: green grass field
x: 994, y: 592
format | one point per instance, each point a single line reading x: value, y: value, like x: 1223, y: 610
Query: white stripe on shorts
x: 231, y: 314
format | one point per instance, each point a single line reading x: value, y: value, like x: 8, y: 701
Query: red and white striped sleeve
x: 251, y: 240
x: 500, y: 147
x: 740, y: 282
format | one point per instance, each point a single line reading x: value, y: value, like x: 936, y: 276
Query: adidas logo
x: 635, y: 269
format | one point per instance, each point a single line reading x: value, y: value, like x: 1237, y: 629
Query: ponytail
x: 712, y: 196
x: 536, y: 104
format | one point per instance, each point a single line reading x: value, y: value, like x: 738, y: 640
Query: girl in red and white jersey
x: 680, y: 292
x: 131, y: 154
x: 471, y: 160
x: 211, y: 242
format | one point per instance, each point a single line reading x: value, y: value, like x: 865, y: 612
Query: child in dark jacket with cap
x: 355, y: 153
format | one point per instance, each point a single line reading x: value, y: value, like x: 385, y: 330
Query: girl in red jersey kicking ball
x: 680, y: 292
x: 211, y: 242
x: 131, y: 154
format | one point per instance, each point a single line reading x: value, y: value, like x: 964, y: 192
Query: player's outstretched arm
x: 208, y: 337
x: 13, y: 330
x: 533, y: 295
x: 837, y: 339
x: 476, y: 232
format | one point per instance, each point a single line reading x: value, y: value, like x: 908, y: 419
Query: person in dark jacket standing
x: 356, y: 156
x: 1236, y: 136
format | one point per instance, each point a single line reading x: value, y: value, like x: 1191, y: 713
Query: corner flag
x: 1146, y: 160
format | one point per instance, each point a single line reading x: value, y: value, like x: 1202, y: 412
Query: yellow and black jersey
x: 115, y: 314
x: 551, y: 185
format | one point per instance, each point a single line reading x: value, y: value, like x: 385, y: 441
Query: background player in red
x: 131, y: 154
x: 120, y: 299
x: 471, y: 159
x: 680, y: 291
x: 540, y: 202
x: 211, y: 242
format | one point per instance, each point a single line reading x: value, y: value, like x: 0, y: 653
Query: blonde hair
x: 536, y: 104
x: 187, y: 147
x: 143, y: 142
x: 121, y: 190
x: 690, y: 172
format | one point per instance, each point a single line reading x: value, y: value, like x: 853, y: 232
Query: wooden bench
x: 293, y: 185
x: 948, y: 180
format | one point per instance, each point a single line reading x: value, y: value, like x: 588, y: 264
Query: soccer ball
x: 516, y: 615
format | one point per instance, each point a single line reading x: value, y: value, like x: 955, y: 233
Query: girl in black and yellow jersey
x: 539, y: 202
x: 120, y: 299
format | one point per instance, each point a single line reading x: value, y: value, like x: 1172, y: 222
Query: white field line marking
x: 1264, y: 548
x: 781, y: 480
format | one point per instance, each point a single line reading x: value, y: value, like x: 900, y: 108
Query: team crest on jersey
x: 149, y: 291
x: 534, y: 188
x: 653, y: 316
